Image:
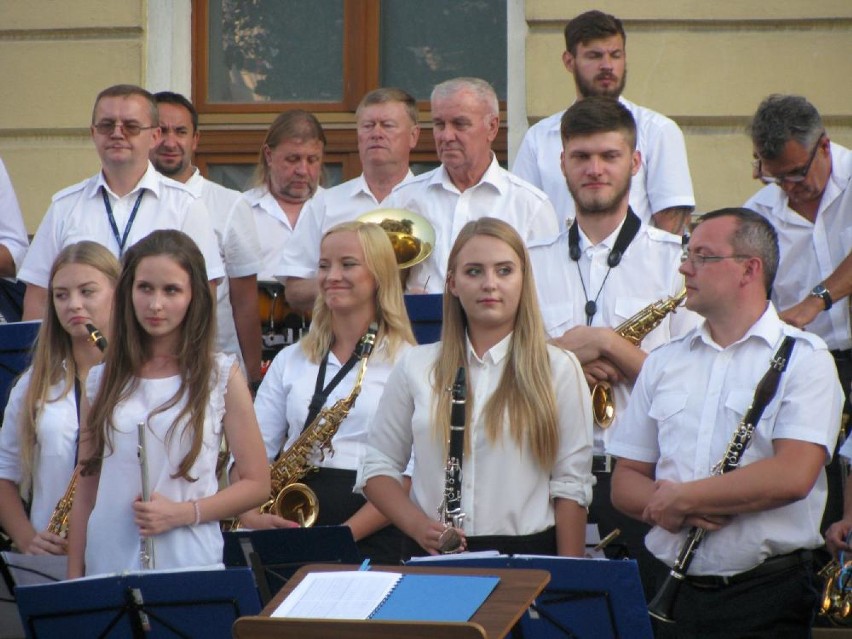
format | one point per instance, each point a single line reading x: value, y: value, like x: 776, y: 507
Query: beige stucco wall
x: 707, y: 65
x: 56, y: 55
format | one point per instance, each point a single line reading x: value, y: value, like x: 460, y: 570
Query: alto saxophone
x: 58, y: 524
x: 634, y: 330
x: 290, y: 498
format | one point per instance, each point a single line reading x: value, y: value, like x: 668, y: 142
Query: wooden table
x: 495, y: 618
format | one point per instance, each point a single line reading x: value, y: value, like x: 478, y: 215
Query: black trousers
x: 632, y: 537
x: 337, y: 503
x: 775, y: 606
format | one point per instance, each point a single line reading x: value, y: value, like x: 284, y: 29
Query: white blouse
x: 504, y: 490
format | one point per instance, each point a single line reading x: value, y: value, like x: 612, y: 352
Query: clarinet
x: 146, y: 544
x: 450, y: 511
x: 662, y: 606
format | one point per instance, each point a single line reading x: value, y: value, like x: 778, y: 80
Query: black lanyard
x: 321, y: 394
x: 628, y: 231
x: 121, y: 240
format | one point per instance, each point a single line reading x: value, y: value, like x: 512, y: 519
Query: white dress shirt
x: 273, y: 228
x: 285, y: 394
x: 13, y: 233
x: 55, y: 453
x: 341, y: 203
x: 811, y: 251
x: 239, y: 250
x: 78, y: 213
x: 662, y: 182
x: 689, y: 398
x: 498, y: 194
x: 647, y: 273
x: 504, y: 490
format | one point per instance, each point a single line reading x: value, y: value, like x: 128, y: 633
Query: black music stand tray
x: 585, y: 599
x: 149, y: 605
x: 426, y: 313
x: 274, y: 555
x: 16, y: 341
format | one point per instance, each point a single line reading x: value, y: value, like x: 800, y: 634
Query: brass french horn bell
x: 411, y: 234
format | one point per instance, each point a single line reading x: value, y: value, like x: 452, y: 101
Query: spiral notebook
x: 387, y: 596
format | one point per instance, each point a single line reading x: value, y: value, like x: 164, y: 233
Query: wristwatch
x: 820, y: 291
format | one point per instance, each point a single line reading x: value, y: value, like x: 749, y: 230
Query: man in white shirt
x: 238, y: 322
x: 752, y: 574
x: 123, y: 203
x: 13, y: 233
x: 601, y: 272
x: 595, y: 54
x: 470, y: 183
x: 808, y: 198
x: 387, y: 132
x: 288, y: 173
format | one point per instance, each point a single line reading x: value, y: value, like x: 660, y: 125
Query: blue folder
x: 453, y: 598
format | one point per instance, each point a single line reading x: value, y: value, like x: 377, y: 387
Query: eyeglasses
x: 130, y: 129
x: 796, y: 177
x: 697, y: 260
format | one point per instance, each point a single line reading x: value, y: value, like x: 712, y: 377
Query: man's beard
x: 588, y: 89
x: 168, y: 171
x: 596, y: 206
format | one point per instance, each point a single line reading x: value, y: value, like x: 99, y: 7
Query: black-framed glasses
x: 795, y: 177
x: 130, y: 129
x: 697, y: 259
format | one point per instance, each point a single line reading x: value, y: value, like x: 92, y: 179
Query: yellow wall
x: 56, y: 56
x: 708, y: 65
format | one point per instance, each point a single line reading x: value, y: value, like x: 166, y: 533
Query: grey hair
x: 755, y: 236
x: 477, y: 86
x: 781, y: 118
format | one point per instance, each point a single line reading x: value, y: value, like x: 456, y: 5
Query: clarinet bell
x: 662, y: 605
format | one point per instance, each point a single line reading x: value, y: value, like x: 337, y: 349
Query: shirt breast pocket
x: 557, y: 318
x: 627, y: 307
x: 668, y: 410
x: 737, y: 403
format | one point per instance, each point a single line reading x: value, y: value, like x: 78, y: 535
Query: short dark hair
x: 592, y: 25
x: 755, y: 236
x: 170, y: 97
x: 390, y: 94
x: 125, y: 91
x: 598, y: 114
x: 781, y: 118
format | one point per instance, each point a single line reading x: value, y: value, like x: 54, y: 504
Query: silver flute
x: 146, y: 544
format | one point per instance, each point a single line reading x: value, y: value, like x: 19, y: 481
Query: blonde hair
x: 391, y: 316
x: 525, y: 391
x: 53, y: 358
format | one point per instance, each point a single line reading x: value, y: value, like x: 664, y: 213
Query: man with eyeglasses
x: 599, y: 273
x: 808, y: 198
x: 752, y: 574
x: 123, y: 203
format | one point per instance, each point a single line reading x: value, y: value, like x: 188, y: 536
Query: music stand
x: 426, y: 313
x: 585, y: 599
x: 149, y: 605
x: 274, y: 555
x: 16, y: 341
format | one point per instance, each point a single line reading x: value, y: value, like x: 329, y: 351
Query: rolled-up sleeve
x: 572, y: 477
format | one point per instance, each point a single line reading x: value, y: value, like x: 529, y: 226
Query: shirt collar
x: 607, y: 243
x: 768, y: 328
x: 493, y: 355
x: 195, y: 183
x: 493, y: 176
x: 150, y: 180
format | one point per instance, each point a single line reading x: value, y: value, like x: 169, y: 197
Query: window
x: 256, y: 58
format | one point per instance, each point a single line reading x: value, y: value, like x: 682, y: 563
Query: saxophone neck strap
x: 321, y: 394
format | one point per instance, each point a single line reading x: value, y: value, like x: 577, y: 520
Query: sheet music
x: 338, y: 595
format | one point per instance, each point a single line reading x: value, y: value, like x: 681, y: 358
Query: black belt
x: 779, y: 563
x: 602, y: 464
x: 842, y: 356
